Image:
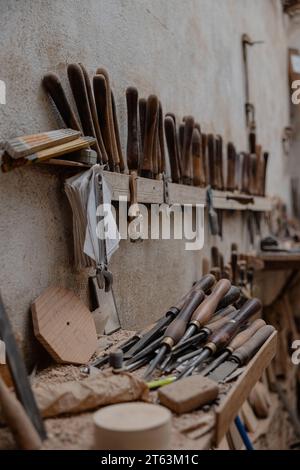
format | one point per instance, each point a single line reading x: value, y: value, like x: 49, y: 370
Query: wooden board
x: 182, y: 194
x: 232, y: 402
x: 64, y: 325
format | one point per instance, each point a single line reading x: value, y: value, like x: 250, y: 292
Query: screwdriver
x: 206, y: 310
x: 195, y: 340
x: 237, y: 341
x: 176, y: 329
x: 222, y: 337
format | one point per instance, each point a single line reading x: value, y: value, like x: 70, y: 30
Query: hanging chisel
x: 207, y: 308
x: 53, y: 86
x: 237, y: 341
x: 264, y: 177
x: 187, y: 177
x: 170, y: 133
x: 198, y: 172
x: 151, y: 120
x: 161, y: 142
x: 231, y: 160
x: 245, y: 172
x: 117, y: 134
x: 211, y: 155
x: 204, y: 284
x: 243, y: 354
x: 175, y: 330
x: 219, y: 162
x: 222, y: 337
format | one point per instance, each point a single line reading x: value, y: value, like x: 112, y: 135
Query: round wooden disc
x: 132, y: 426
x: 64, y: 325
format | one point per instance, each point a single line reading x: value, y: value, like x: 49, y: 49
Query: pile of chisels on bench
x: 195, y: 158
x: 208, y: 332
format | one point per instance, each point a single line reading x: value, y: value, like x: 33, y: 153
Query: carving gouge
x: 205, y: 283
x: 133, y: 157
x: 150, y: 128
x: 243, y: 354
x: 176, y: 329
x: 170, y: 133
x: 142, y: 116
x: 212, y: 161
x: 207, y: 308
x: 231, y: 161
x: 198, y: 172
x: 237, y: 341
x: 222, y: 337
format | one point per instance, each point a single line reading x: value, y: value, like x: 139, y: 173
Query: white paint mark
x: 2, y: 92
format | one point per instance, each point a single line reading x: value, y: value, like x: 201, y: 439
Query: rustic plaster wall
x: 189, y: 53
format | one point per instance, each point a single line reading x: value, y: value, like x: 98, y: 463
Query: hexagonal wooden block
x: 64, y: 325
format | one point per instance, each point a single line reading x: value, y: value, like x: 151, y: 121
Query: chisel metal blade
x: 223, y: 371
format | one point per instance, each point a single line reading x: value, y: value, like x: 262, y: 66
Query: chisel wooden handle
x: 155, y: 148
x: 114, y: 147
x: 212, y: 169
x: 170, y: 133
x: 187, y: 177
x: 231, y: 158
x: 177, y: 144
x: 54, y: 88
x: 16, y: 418
x: 181, y: 138
x: 77, y: 83
x: 259, y: 170
x: 252, y: 173
x: 162, y: 162
x: 151, y: 118
x: 206, y: 310
x: 238, y: 176
x: 177, y: 328
x: 204, y: 158
x: 117, y: 134
x: 142, y: 116
x: 219, y: 322
x: 232, y: 296
x: 198, y: 171
x: 132, y: 129
x: 264, y: 177
x: 245, y: 172
x: 223, y: 336
x: 219, y: 162
x: 246, y: 334
x: 101, y: 99
x: 243, y: 354
x: 94, y: 114
x: 252, y: 142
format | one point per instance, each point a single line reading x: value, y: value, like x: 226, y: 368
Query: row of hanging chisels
x: 195, y: 158
x: 208, y: 332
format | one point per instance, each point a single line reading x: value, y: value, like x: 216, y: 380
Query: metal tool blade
x: 225, y: 369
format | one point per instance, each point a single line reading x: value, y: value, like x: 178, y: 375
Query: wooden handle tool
x: 142, y: 116
x: 77, y: 83
x: 238, y: 176
x: 133, y: 156
x: 222, y: 337
x: 54, y: 88
x: 187, y: 177
x: 181, y: 138
x: 204, y: 312
x: 100, y: 93
x: 231, y: 160
x: 175, y: 330
x: 117, y: 133
x: 212, y: 168
x: 231, y: 297
x: 244, y: 353
x: 151, y: 119
x: 162, y: 161
x: 252, y: 173
x: 245, y: 172
x: 264, y: 177
x: 112, y: 132
x: 178, y: 148
x: 219, y: 162
x: 198, y: 170
x: 205, y: 158
x: 94, y: 114
x: 170, y: 133
x: 235, y: 343
x: 259, y: 170
x: 16, y: 418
